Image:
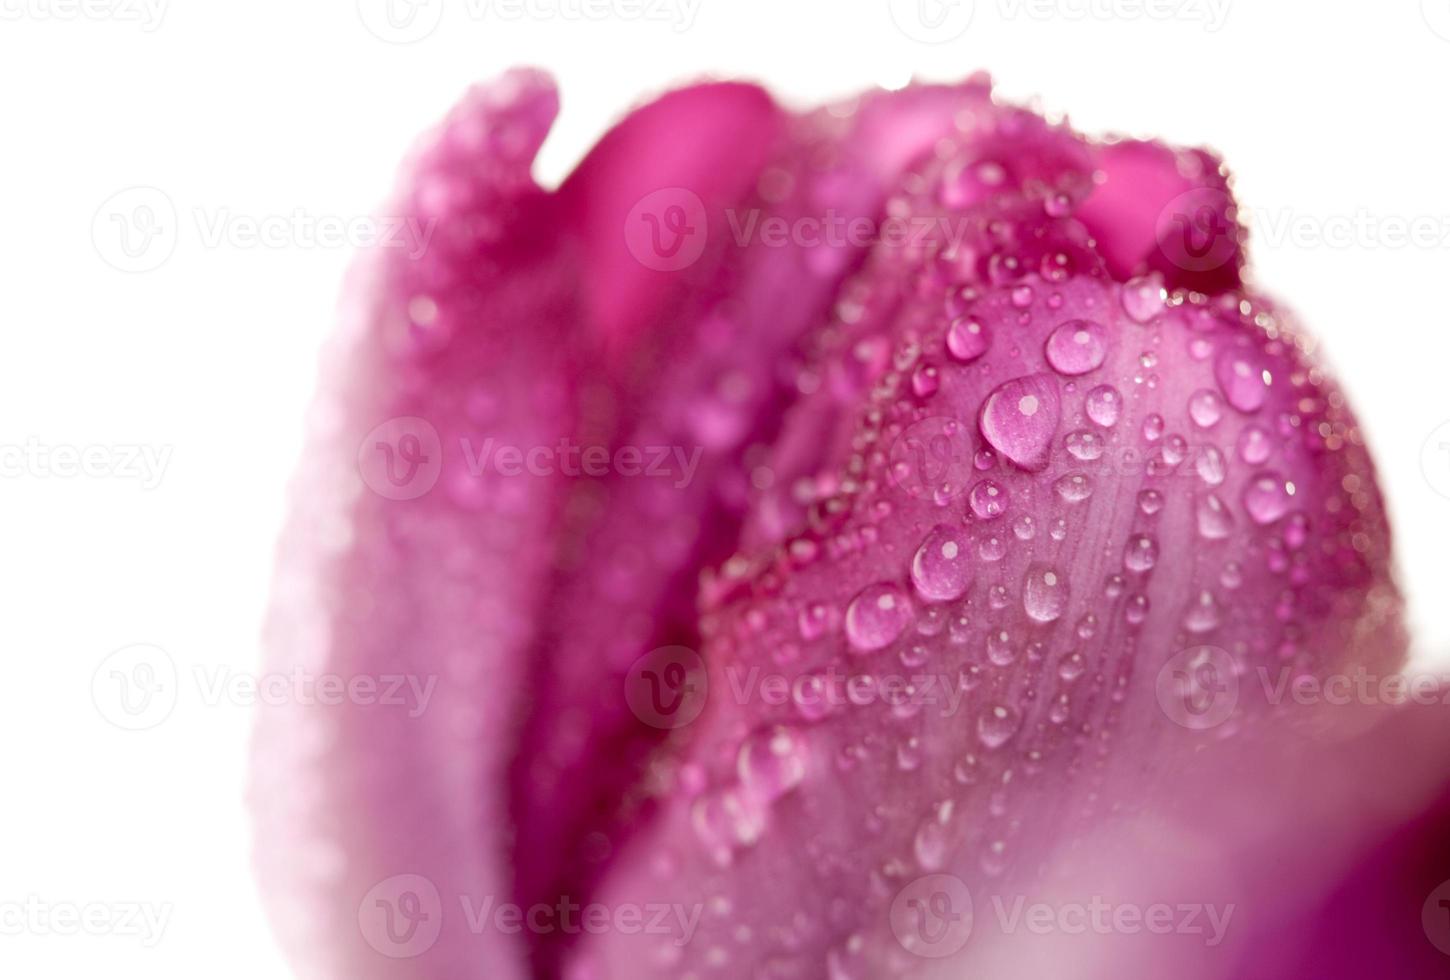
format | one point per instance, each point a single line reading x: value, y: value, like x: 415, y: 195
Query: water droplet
x: 1057, y: 205
x: 1072, y: 667
x: 967, y: 339
x: 988, y: 500
x: 1019, y: 419
x: 930, y: 844
x: 1022, y: 296
x: 1268, y: 497
x: 1243, y: 378
x: 1203, y: 615
x: 1141, y: 554
x: 1077, y: 347
x: 942, y: 568
x: 1211, y: 467
x: 1153, y: 428
x: 1000, y: 648
x: 992, y: 548
x: 1254, y: 445
x: 1045, y: 593
x: 1214, y: 520
x: 1144, y: 297
x: 772, y: 762
x: 1104, y: 404
x: 1074, y: 488
x: 997, y: 725
x: 1084, y: 445
x: 876, y: 616
x: 925, y: 380
x: 816, y: 620
x: 1205, y: 408
x: 1150, y: 502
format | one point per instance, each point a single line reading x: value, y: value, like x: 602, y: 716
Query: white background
x: 250, y: 111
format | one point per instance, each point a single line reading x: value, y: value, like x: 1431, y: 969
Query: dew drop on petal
x: 1044, y: 594
x: 1203, y: 614
x: 1214, y: 520
x: 1210, y: 466
x: 967, y: 339
x: 1073, y: 488
x: 997, y: 725
x: 1243, y: 378
x: 941, y: 569
x: 1141, y: 554
x: 772, y: 762
x: 1144, y: 298
x: 1268, y: 497
x: 877, y: 616
x: 1205, y: 407
x: 1254, y: 445
x: 1104, y: 405
x: 1084, y: 445
x: 1077, y: 347
x: 987, y: 500
x: 1019, y: 419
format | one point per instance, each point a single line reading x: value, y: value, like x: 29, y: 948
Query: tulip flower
x: 891, y: 539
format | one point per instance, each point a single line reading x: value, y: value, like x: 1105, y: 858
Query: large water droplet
x: 877, y: 616
x: 997, y: 725
x: 1214, y: 520
x: 942, y: 567
x: 1044, y: 594
x: 988, y: 500
x: 1074, y: 488
x: 967, y: 339
x: 1244, y: 379
x: 1141, y: 554
x: 1254, y: 445
x: 1210, y: 465
x: 930, y: 844
x: 1205, y: 408
x: 1268, y: 497
x: 1203, y: 615
x: 1104, y: 405
x: 772, y: 762
x: 1020, y: 418
x: 1143, y: 298
x: 1084, y: 445
x: 1077, y: 347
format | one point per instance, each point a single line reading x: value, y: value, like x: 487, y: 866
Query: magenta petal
x: 973, y: 737
x: 955, y: 537
x: 381, y: 809
x: 1158, y: 209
